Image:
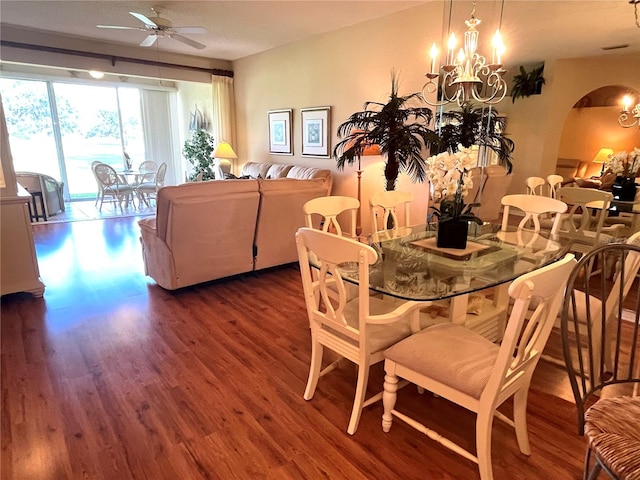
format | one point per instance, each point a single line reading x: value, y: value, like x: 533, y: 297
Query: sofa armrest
x: 156, y: 255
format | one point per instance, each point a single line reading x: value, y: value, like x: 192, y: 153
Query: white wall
x: 344, y: 69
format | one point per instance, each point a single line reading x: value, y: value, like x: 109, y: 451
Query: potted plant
x: 197, y: 150
x: 401, y: 131
x: 448, y: 174
x: 526, y: 83
x: 474, y: 125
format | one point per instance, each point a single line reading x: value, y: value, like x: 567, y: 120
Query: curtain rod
x: 114, y: 58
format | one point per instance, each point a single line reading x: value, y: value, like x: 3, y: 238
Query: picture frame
x: 316, y: 128
x: 280, y: 132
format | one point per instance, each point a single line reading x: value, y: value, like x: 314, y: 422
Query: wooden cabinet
x: 18, y: 263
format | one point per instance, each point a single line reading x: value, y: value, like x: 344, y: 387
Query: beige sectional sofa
x: 203, y: 231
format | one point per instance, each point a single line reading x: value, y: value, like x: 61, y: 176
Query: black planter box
x: 452, y: 234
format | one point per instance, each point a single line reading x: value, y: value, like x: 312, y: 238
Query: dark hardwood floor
x: 111, y: 377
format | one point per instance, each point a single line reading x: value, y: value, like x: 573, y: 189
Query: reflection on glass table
x: 410, y: 266
x: 622, y: 212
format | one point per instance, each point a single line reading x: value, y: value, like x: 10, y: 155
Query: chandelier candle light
x: 468, y: 72
x: 627, y: 115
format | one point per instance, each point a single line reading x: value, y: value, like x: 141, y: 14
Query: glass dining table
x: 410, y: 266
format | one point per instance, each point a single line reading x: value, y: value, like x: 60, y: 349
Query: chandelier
x: 467, y: 74
x: 627, y: 115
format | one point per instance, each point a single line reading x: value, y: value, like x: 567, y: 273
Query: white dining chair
x: 586, y: 303
x: 583, y: 223
x: 385, y: 205
x: 467, y: 369
x: 535, y: 185
x: 554, y: 182
x: 359, y: 329
x: 322, y: 213
x: 537, y: 211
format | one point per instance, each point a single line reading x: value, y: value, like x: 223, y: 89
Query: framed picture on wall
x: 280, y: 132
x: 316, y: 124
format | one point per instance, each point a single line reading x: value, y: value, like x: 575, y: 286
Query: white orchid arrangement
x: 625, y: 164
x: 450, y: 178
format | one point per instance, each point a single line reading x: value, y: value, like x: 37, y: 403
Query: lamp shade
x: 603, y: 155
x: 224, y: 150
x: 369, y: 150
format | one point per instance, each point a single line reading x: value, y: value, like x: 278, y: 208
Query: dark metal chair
x: 601, y: 339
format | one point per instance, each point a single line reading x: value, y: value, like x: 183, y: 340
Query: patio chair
x: 112, y: 185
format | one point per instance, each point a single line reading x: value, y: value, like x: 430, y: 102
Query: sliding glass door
x: 61, y: 128
x: 30, y: 126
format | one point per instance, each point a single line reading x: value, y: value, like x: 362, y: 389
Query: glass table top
x: 410, y: 265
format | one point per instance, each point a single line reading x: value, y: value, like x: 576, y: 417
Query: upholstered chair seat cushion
x: 449, y: 354
x: 383, y: 336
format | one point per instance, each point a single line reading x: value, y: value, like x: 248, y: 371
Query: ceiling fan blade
x: 144, y: 19
x: 187, y: 41
x: 189, y: 29
x: 150, y: 40
x: 118, y: 27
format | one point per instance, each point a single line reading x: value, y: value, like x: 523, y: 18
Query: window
x: 61, y: 128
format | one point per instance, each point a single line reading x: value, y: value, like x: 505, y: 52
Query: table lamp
x: 222, y: 154
x: 603, y: 157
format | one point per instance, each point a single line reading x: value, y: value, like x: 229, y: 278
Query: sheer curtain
x: 224, y: 113
x: 159, y: 137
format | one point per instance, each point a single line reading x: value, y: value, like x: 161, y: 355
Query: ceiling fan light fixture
x: 161, y: 27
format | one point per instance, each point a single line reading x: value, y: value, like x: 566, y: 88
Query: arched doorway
x: 592, y: 124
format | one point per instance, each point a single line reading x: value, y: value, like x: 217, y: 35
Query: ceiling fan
x: 161, y: 27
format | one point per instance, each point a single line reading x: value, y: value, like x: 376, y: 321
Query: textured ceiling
x: 536, y: 29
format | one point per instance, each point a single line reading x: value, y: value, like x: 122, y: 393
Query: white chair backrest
x: 385, y: 203
x: 533, y: 206
x: 329, y: 208
x: 579, y: 222
x: 534, y: 185
x: 554, y: 182
x: 627, y: 277
x: 525, y: 338
x: 329, y: 251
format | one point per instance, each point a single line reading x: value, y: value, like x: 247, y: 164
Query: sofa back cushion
x: 280, y: 216
x: 278, y: 170
x: 309, y: 173
x: 203, y: 199
x: 209, y: 228
x: 255, y: 169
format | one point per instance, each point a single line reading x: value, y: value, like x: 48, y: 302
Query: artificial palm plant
x: 399, y: 130
x: 474, y: 125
